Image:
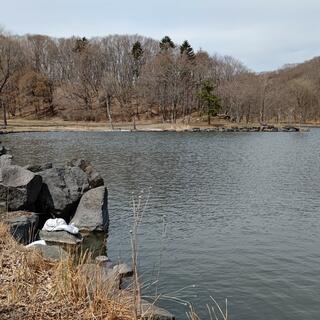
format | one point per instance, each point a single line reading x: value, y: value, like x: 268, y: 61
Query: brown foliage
x: 100, y: 79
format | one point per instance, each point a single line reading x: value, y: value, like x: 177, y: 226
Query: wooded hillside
x: 122, y: 77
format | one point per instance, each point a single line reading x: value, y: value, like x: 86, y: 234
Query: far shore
x: 58, y: 125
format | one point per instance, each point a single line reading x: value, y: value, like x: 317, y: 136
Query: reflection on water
x: 242, y: 213
x: 95, y: 243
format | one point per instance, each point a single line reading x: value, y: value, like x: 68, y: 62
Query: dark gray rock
x: 60, y: 237
x: 23, y: 225
x: 50, y: 253
x: 99, y: 275
x: 92, y: 211
x: 19, y: 188
x: 81, y: 163
x: 61, y: 190
x: 5, y: 160
x: 3, y: 150
x: 123, y: 270
x: 151, y: 312
x: 289, y: 128
x: 39, y: 167
x: 94, y: 178
x: 104, y: 261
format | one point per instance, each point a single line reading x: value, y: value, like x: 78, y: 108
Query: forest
x: 123, y: 78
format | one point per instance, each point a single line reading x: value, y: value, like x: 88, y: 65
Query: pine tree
x: 80, y: 44
x: 186, y: 48
x: 209, y: 100
x: 137, y: 51
x: 166, y: 43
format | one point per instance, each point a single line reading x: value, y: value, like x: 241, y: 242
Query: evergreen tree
x: 186, y: 48
x: 166, y: 43
x: 137, y: 51
x: 80, y: 44
x: 208, y: 99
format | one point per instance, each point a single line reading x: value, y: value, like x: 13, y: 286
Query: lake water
x: 241, y: 213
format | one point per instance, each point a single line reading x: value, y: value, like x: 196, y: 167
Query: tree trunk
x: 134, y: 123
x: 108, y: 104
x: 5, y: 122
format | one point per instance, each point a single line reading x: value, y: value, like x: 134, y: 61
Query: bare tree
x: 10, y: 62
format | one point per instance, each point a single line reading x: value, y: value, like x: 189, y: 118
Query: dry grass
x: 56, y: 124
x: 17, y: 125
x: 33, y: 288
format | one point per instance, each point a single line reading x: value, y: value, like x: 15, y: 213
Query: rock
x: 3, y: 150
x: 51, y: 253
x: 100, y: 271
x: 151, y: 312
x: 289, y: 128
x: 92, y: 212
x: 94, y: 178
x: 81, y: 163
x: 99, y: 275
x: 123, y: 270
x: 23, y: 225
x: 60, y: 237
x: 39, y: 167
x: 104, y: 262
x: 5, y: 160
x: 19, y: 188
x: 61, y: 190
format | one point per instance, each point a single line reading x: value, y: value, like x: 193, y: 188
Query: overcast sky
x: 263, y: 34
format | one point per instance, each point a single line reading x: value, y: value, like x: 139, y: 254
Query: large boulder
x: 61, y: 190
x: 23, y: 225
x: 94, y: 178
x: 92, y: 212
x: 19, y: 188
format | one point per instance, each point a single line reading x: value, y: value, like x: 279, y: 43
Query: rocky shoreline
x: 265, y: 128
x: 73, y: 197
x: 166, y: 127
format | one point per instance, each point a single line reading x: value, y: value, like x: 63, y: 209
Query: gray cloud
x: 263, y: 34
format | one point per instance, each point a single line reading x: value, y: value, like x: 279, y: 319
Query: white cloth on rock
x: 34, y: 243
x: 59, y: 224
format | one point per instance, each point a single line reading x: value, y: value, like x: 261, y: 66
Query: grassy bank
x: 33, y: 288
x: 53, y: 125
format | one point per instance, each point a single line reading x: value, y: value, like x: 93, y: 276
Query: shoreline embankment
x: 57, y: 125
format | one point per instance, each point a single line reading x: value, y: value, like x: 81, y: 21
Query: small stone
x: 5, y: 160
x: 151, y: 312
x: 39, y: 167
x: 123, y: 270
